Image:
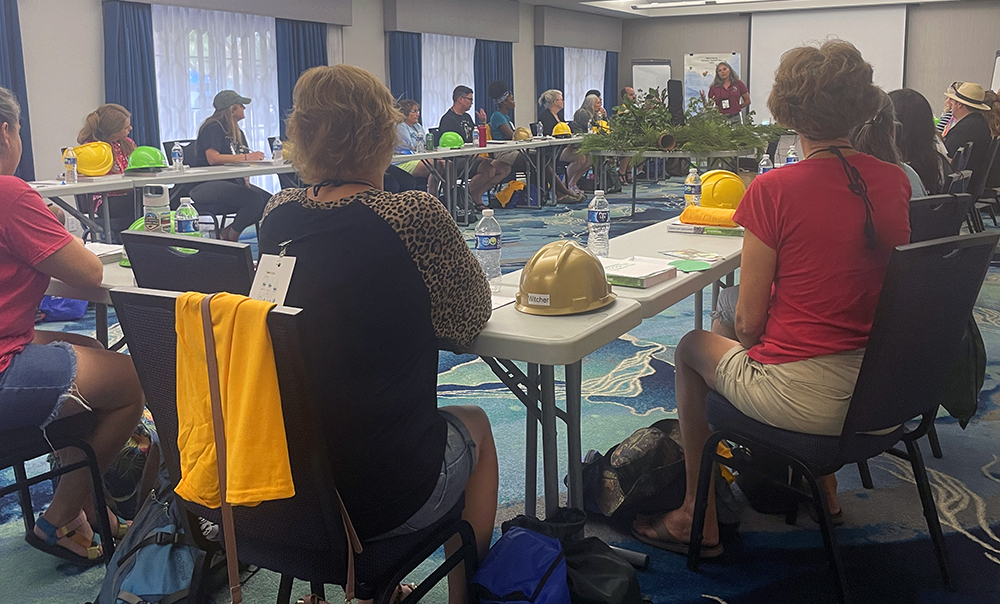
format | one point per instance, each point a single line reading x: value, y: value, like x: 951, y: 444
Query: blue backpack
x: 523, y: 567
x: 156, y: 562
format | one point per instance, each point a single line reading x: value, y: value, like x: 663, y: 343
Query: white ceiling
x: 638, y: 9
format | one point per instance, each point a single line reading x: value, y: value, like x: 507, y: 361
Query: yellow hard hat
x: 94, y: 159
x: 522, y: 134
x: 721, y: 189
x: 561, y: 130
x: 563, y: 278
x: 601, y: 126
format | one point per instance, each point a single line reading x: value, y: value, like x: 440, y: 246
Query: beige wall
x: 364, y: 40
x: 337, y: 12
x: 936, y: 57
x: 482, y: 19
x: 557, y: 27
x: 524, y: 68
x: 64, y: 73
x: 673, y: 37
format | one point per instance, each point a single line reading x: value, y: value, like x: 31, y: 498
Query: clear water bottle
x: 792, y: 156
x: 186, y: 218
x: 488, y: 236
x: 69, y: 164
x: 765, y: 165
x: 177, y: 157
x: 276, y: 149
x: 598, y: 224
x: 475, y: 137
x: 692, y: 188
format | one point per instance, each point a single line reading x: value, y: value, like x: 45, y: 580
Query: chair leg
x: 285, y: 589
x: 930, y: 510
x: 701, y: 500
x: 792, y: 513
x: 935, y: 443
x: 318, y: 588
x: 97, y: 481
x: 829, y: 538
x: 24, y: 497
x: 866, y: 474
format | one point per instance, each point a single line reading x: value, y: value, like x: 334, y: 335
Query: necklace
x: 827, y: 150
x: 337, y: 182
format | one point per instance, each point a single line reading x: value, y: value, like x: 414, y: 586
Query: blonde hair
x: 343, y: 123
x: 107, y: 120
x: 822, y: 93
x: 548, y: 97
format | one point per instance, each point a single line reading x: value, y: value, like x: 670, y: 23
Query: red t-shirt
x: 29, y: 233
x: 728, y: 99
x: 827, y: 281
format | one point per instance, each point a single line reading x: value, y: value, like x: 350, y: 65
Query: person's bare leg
x: 695, y: 360
x: 480, y: 183
x: 723, y: 329
x: 828, y: 484
x: 228, y: 233
x: 107, y: 382
x: 480, y: 494
x: 421, y: 171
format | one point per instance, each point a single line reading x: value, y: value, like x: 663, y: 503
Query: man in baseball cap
x: 968, y: 124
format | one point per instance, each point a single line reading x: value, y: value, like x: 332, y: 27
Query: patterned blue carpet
x: 628, y: 384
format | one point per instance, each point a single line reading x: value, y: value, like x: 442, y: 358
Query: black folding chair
x: 980, y: 178
x: 187, y: 146
x: 962, y: 155
x: 182, y: 263
x: 927, y: 296
x: 301, y: 537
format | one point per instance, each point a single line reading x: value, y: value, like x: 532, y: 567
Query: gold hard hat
x: 561, y: 130
x: 721, y: 189
x: 522, y: 134
x: 94, y: 159
x: 563, y: 278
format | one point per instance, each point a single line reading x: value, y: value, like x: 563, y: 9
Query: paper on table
x: 692, y: 254
x: 499, y: 301
x: 41, y: 184
x: 107, y: 252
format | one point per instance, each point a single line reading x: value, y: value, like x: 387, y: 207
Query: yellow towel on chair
x: 257, y: 452
x: 708, y: 216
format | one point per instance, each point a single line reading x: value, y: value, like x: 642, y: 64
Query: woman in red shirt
x: 814, y: 257
x: 729, y: 92
x: 45, y: 376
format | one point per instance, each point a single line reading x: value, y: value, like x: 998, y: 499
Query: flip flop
x: 50, y: 544
x: 398, y: 596
x: 665, y: 540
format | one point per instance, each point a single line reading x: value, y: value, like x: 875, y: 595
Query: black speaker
x: 675, y: 101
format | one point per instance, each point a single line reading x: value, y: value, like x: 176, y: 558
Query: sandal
x: 119, y: 526
x: 666, y: 540
x: 50, y: 544
x: 398, y: 595
x: 623, y: 179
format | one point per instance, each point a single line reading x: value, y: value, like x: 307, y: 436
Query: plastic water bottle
x: 488, y: 237
x: 276, y: 150
x: 692, y: 188
x: 475, y: 137
x: 156, y: 208
x: 177, y: 157
x: 792, y: 156
x: 186, y: 218
x: 765, y: 165
x: 598, y: 224
x: 69, y: 164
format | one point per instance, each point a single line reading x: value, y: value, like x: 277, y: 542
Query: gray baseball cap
x: 228, y: 98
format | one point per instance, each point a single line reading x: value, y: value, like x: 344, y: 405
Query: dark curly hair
x: 822, y: 93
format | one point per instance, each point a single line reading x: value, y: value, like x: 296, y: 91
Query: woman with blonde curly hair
x: 816, y: 246
x: 381, y: 279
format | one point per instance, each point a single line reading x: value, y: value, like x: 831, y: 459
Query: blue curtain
x: 549, y: 69
x: 12, y: 78
x: 405, y: 65
x: 611, y: 82
x: 493, y: 61
x: 300, y: 45
x: 129, y: 67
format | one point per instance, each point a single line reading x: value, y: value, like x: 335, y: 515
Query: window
x: 583, y: 70
x: 200, y: 52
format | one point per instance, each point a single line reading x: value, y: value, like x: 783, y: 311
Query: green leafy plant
x: 637, y: 127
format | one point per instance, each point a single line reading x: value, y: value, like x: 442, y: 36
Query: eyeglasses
x: 468, y: 98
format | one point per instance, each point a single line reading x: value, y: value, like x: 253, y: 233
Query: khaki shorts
x: 809, y: 396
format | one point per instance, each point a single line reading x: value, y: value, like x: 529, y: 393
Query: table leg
x: 731, y: 279
x: 698, y: 310
x: 106, y: 217
x: 550, y: 452
x: 715, y: 294
x: 574, y: 380
x: 468, y: 193
x: 531, y: 449
x: 634, y: 185
x: 101, y: 315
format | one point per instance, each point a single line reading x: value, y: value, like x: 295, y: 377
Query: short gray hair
x: 10, y: 110
x: 548, y: 97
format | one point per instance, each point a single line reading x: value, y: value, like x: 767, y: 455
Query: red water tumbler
x: 482, y: 135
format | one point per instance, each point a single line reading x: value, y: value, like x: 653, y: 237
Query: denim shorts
x: 35, y: 384
x: 725, y: 305
x: 459, y: 461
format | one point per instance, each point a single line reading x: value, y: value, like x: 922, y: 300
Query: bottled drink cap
x: 598, y: 192
x: 487, y: 213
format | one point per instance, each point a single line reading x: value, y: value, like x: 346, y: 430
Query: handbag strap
x: 229, y: 530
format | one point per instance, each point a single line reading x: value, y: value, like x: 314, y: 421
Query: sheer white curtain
x: 334, y: 44
x: 446, y: 62
x: 584, y: 69
x: 200, y: 52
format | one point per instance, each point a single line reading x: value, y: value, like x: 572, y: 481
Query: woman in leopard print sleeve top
x: 383, y: 279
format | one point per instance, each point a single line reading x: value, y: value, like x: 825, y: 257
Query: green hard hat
x: 149, y: 159
x: 451, y: 140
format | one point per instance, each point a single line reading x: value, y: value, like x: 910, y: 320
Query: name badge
x: 274, y: 275
x: 725, y: 103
